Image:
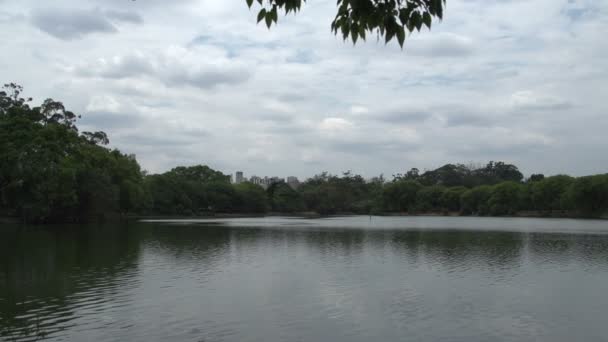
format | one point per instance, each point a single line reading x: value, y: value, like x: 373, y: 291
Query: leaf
x: 269, y: 17
x: 438, y: 4
x: 416, y: 20
x: 261, y: 14
x: 389, y: 35
x: 345, y: 29
x: 362, y: 32
x: 426, y: 18
x: 249, y: 3
x: 400, y: 35
x: 275, y: 16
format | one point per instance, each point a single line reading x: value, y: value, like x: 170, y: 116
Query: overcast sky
x: 187, y: 82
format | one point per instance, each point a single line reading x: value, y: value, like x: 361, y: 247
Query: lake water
x: 284, y: 279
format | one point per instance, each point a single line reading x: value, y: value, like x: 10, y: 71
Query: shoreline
x: 523, y: 214
x: 309, y: 215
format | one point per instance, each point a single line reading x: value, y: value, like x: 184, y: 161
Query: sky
x: 188, y: 82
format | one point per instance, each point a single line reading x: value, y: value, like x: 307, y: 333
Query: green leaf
x: 269, y: 18
x: 416, y: 20
x: 401, y: 35
x: 426, y: 18
x: 249, y: 3
x: 261, y: 14
x: 438, y: 4
x: 345, y: 29
x: 275, y: 16
x: 389, y: 35
x: 362, y: 32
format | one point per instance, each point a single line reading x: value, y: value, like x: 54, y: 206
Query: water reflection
x: 48, y: 275
x: 225, y: 282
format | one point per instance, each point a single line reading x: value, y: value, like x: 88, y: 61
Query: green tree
x: 475, y: 201
x: 547, y: 194
x: 400, y: 195
x: 251, y: 198
x: 450, y: 199
x: 536, y: 177
x: 429, y: 198
x: 505, y: 198
x: 50, y: 173
x: 589, y: 195
x: 284, y: 199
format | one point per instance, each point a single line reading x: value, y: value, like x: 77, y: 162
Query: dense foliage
x: 50, y: 172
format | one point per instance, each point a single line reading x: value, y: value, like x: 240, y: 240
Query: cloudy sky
x: 185, y: 82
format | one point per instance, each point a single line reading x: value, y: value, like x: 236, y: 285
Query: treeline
x: 51, y: 172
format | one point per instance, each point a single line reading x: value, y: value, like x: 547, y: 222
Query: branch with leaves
x: 358, y: 19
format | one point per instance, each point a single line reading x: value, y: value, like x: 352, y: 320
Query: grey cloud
x: 279, y: 118
x: 468, y: 119
x: 402, y: 116
x: 442, y: 45
x: 206, y: 79
x: 369, y: 148
x: 71, y: 24
x: 293, y: 97
x: 6, y: 17
x: 170, y: 71
x: 124, y: 16
x: 104, y: 120
x: 490, y: 151
x: 142, y: 139
x: 302, y: 56
x: 544, y: 106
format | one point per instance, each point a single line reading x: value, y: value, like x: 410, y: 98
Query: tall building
x: 238, y: 178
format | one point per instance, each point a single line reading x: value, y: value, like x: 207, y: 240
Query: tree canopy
x: 51, y: 172
x: 358, y: 19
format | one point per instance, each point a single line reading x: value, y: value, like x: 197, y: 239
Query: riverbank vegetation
x: 52, y: 172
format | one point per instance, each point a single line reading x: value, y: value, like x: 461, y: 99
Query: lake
x: 289, y: 279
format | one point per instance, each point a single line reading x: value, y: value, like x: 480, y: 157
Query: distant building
x: 238, y: 178
x: 264, y: 182
x: 293, y: 182
x: 257, y: 180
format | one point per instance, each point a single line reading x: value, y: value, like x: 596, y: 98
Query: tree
x: 589, y: 195
x: 495, y: 172
x: 400, y: 195
x: 505, y: 198
x: 251, y: 198
x: 50, y: 173
x: 96, y: 138
x: 547, y: 194
x: 475, y: 201
x: 536, y: 177
x: 329, y: 194
x: 284, y: 199
x: 360, y: 18
x: 450, y: 199
x: 429, y: 198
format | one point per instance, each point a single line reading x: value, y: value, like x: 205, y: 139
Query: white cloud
x: 197, y: 81
x: 335, y: 125
x: 527, y: 99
